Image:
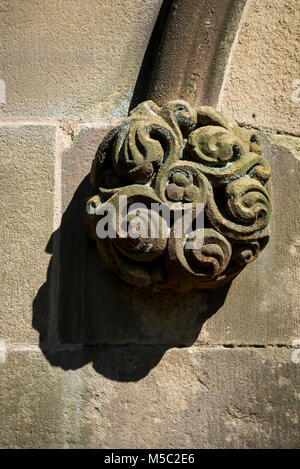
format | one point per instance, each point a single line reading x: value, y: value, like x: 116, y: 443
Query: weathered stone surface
x: 77, y: 158
x: 32, y: 402
x: 262, y: 305
x: 77, y: 59
x: 150, y: 398
x: 287, y: 142
x: 263, y: 66
x: 26, y: 212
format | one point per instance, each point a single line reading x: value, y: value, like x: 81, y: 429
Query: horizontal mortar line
x: 268, y: 131
x: 20, y: 347
x: 98, y: 123
x: 17, y: 122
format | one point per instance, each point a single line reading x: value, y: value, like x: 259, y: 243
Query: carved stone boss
x: 177, y: 155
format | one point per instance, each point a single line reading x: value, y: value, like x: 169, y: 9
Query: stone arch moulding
x: 179, y: 158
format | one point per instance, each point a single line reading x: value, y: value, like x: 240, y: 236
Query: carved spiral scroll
x: 180, y: 157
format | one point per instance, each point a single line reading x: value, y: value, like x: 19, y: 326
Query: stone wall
x: 86, y: 360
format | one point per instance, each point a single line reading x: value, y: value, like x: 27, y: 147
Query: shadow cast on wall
x: 84, y: 313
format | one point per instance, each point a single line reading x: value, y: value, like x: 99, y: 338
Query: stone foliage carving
x: 179, y: 155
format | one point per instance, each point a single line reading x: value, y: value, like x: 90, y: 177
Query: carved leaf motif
x: 177, y: 155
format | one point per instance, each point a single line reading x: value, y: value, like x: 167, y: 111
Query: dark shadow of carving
x: 122, y: 364
x: 84, y: 313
